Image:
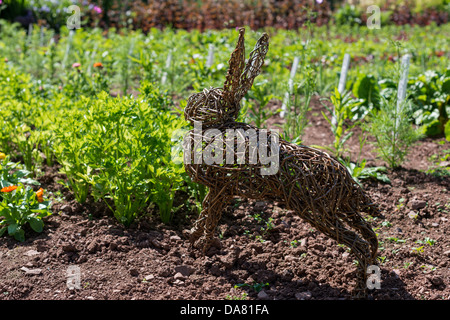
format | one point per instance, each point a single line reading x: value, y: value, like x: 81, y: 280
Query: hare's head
x: 220, y: 105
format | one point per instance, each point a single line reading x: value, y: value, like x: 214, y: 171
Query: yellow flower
x: 2, y: 156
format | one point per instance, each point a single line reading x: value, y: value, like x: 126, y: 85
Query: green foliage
x: 447, y: 131
x: 21, y: 207
x: 348, y: 14
x: 360, y: 172
x: 441, y: 165
x: 119, y: 150
x: 393, y: 132
x: 256, y: 286
x: 367, y: 89
x: 430, y: 95
x: 343, y: 104
x: 12, y: 173
x: 80, y: 82
x: 298, y: 104
x: 259, y: 113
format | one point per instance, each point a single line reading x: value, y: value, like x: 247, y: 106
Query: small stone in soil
x: 262, y: 295
x: 184, y: 270
x: 31, y: 271
x: 303, y: 295
x: 417, y: 204
x: 69, y: 248
x: 134, y: 272
x: 179, y: 276
x: 436, y: 280
x: 149, y: 277
x: 31, y: 253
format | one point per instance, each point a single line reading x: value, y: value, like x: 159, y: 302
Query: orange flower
x: 40, y: 195
x: 8, y: 189
x: 98, y: 65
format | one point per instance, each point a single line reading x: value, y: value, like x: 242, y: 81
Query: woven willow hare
x: 308, y: 181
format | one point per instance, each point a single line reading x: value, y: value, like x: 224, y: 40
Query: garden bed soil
x: 254, y: 257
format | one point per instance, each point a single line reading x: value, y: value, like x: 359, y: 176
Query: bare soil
x: 263, y: 252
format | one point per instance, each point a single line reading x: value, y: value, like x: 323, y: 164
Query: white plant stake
x: 210, y: 60
x: 30, y: 31
x: 168, y: 62
x: 344, y: 72
x: 342, y: 82
x: 401, y: 93
x: 291, y: 86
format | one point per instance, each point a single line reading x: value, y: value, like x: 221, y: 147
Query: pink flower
x: 319, y: 1
x: 98, y: 9
x: 76, y: 65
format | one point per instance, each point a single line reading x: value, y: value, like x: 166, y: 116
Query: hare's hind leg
x: 203, y: 231
x: 335, y: 229
x: 369, y: 235
x: 364, y: 256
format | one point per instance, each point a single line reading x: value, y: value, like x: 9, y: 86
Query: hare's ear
x: 236, y: 66
x: 253, y: 66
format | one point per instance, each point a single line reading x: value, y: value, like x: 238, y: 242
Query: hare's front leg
x: 203, y: 231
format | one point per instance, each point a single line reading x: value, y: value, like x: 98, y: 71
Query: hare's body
x: 308, y: 181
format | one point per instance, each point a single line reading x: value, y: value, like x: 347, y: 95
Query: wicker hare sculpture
x: 307, y: 181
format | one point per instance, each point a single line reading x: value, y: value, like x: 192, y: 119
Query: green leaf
x: 36, y: 224
x: 431, y: 129
x: 446, y: 86
x: 367, y: 88
x: 347, y: 136
x: 12, y: 228
x: 19, y: 235
x: 447, y: 131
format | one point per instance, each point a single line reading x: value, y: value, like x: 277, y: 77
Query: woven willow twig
x: 310, y: 182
